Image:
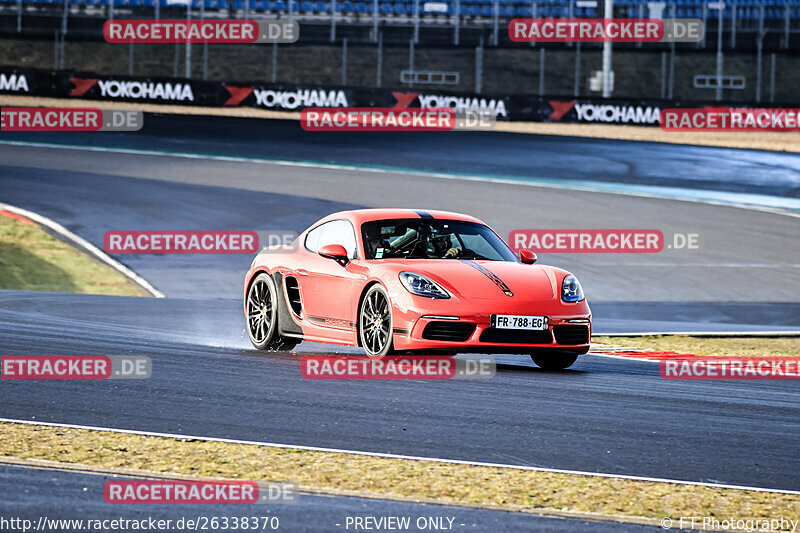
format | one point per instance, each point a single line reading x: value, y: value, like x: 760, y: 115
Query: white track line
x: 86, y: 245
x: 399, y: 456
x: 760, y: 203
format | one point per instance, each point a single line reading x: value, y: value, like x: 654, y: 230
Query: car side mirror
x: 335, y: 252
x: 527, y: 257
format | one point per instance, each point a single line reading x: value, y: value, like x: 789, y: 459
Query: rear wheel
x: 375, y: 323
x: 554, y: 360
x: 262, y: 316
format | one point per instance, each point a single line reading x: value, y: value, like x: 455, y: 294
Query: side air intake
x: 293, y: 295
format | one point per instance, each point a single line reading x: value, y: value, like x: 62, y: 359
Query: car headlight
x: 571, y: 290
x: 422, y: 286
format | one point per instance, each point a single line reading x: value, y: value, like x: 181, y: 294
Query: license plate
x: 519, y: 322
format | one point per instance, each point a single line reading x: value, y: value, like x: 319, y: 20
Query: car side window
x: 312, y: 238
x: 338, y: 232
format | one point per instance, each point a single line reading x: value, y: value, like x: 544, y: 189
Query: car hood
x: 488, y: 279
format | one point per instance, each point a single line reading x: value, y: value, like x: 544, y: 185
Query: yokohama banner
x: 177, y: 91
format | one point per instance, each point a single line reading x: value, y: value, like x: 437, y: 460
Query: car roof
x: 359, y: 216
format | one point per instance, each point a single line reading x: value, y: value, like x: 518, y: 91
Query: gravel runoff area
x: 729, y: 346
x: 426, y: 481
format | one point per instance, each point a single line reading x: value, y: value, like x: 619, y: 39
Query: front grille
x: 571, y: 334
x: 516, y: 336
x: 448, y: 331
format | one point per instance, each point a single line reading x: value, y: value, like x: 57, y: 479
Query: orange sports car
x: 403, y: 280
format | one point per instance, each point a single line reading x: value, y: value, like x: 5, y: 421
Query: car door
x: 327, y: 285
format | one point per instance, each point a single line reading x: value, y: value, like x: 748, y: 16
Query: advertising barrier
x: 282, y: 97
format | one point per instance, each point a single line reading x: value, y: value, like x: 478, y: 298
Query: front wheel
x: 375, y: 323
x: 554, y: 360
x: 262, y: 316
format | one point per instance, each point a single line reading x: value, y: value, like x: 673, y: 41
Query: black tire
x: 262, y: 316
x: 554, y: 360
x: 375, y: 323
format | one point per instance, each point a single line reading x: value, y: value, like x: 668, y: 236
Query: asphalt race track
x: 603, y: 415
x: 740, y: 250
x: 502, y: 154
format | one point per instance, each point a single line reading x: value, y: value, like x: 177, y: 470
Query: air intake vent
x: 293, y: 295
x: 571, y: 334
x: 516, y: 336
x: 448, y: 331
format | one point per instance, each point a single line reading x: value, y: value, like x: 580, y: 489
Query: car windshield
x: 433, y: 239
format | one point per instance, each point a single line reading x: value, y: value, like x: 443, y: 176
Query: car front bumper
x: 429, y: 324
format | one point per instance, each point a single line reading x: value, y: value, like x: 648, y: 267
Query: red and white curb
x: 627, y: 352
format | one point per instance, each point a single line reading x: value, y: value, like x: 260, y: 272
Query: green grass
x: 33, y: 260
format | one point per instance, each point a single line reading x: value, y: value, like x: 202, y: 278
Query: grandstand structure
x: 744, y: 21
x: 382, y: 43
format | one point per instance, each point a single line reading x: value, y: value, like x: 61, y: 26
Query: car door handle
x: 301, y: 272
